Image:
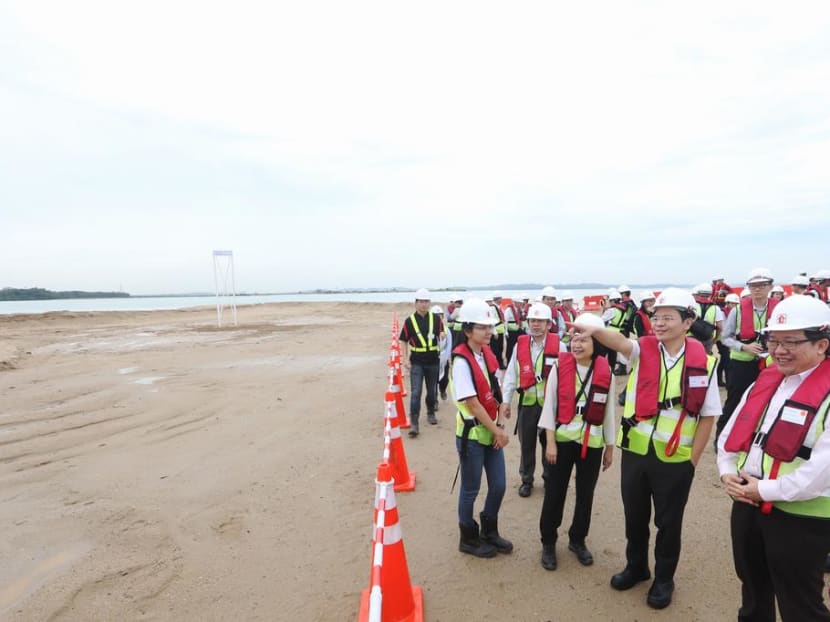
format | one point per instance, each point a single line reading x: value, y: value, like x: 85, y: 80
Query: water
x: 184, y: 302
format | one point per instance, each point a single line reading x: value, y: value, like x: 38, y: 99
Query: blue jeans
x: 480, y: 457
x: 417, y: 375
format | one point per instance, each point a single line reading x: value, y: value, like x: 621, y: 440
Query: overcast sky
x: 354, y: 144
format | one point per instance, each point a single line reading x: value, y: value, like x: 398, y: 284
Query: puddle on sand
x: 149, y: 379
x: 32, y: 578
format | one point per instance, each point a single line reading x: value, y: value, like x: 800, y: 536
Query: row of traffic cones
x: 391, y: 597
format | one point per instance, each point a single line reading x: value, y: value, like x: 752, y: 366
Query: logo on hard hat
x: 660, y: 300
x: 782, y: 319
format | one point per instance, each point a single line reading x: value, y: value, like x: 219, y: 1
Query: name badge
x: 793, y: 415
x: 549, y: 360
x: 600, y: 398
x: 698, y: 382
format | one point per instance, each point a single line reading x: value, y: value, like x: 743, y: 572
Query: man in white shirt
x: 774, y: 458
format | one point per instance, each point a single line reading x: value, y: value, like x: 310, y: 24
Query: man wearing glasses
x: 671, y: 403
x: 742, y: 335
x: 774, y: 459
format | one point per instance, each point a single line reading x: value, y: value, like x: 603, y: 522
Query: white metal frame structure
x: 223, y: 277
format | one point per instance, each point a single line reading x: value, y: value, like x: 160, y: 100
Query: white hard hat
x: 437, y: 309
x: 646, y: 294
x: 523, y: 297
x: 497, y: 294
x: 744, y: 292
x: 422, y: 294
x: 567, y: 295
x: 759, y: 275
x: 799, y: 312
x: 718, y: 277
x: 776, y: 288
x: 702, y: 288
x: 821, y: 275
x: 476, y: 311
x: 613, y: 293
x: 800, y: 279
x: 589, y: 319
x: 624, y: 288
x: 539, y: 311
x: 732, y: 298
x: 549, y: 291
x: 677, y: 298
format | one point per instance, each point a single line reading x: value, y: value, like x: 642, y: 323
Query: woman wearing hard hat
x: 480, y: 435
x: 670, y: 407
x: 578, y: 422
x: 774, y: 458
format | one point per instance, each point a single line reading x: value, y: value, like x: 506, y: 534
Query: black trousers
x: 497, y: 345
x: 512, y: 338
x: 557, y: 476
x: 723, y: 362
x: 527, y: 424
x: 741, y: 375
x: 647, y: 479
x: 779, y: 556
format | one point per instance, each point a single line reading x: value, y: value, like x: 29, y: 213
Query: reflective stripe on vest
x: 432, y: 345
x: 635, y: 436
x: 616, y: 322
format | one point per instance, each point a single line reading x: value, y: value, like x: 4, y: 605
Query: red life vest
x: 785, y: 438
x: 527, y: 367
x: 747, y: 333
x: 600, y: 375
x: 499, y: 312
x: 820, y: 292
x: 484, y: 389
x: 646, y: 319
x: 693, y: 391
x: 517, y: 315
x: 568, y: 315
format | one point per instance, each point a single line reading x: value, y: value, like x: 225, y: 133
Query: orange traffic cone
x: 390, y: 597
x: 393, y: 451
x: 396, y: 388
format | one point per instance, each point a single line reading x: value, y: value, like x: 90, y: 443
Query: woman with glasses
x: 480, y: 435
x: 774, y: 458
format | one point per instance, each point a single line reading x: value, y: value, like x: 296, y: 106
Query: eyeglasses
x: 483, y: 326
x: 787, y: 345
x: 759, y: 285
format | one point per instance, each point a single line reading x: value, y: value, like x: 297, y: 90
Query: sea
x: 160, y: 303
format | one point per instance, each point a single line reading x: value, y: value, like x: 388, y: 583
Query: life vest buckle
x: 538, y: 378
x: 758, y: 439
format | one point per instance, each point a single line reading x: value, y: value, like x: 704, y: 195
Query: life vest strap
x: 760, y: 439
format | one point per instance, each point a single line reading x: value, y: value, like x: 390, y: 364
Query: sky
x: 437, y: 144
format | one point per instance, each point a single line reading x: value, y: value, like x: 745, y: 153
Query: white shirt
x: 711, y: 403
x: 547, y: 420
x: 810, y: 480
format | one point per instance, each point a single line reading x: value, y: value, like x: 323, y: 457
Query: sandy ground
x: 154, y: 467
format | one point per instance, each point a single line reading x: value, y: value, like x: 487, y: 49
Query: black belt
x: 670, y: 402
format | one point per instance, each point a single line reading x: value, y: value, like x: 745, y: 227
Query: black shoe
x: 413, y: 431
x: 431, y: 418
x: 444, y: 395
x: 490, y: 534
x: 628, y: 578
x: 582, y: 553
x: 471, y: 543
x: 549, y: 556
x: 525, y: 489
x: 659, y: 594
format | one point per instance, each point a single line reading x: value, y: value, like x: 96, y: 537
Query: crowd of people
x: 766, y: 345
